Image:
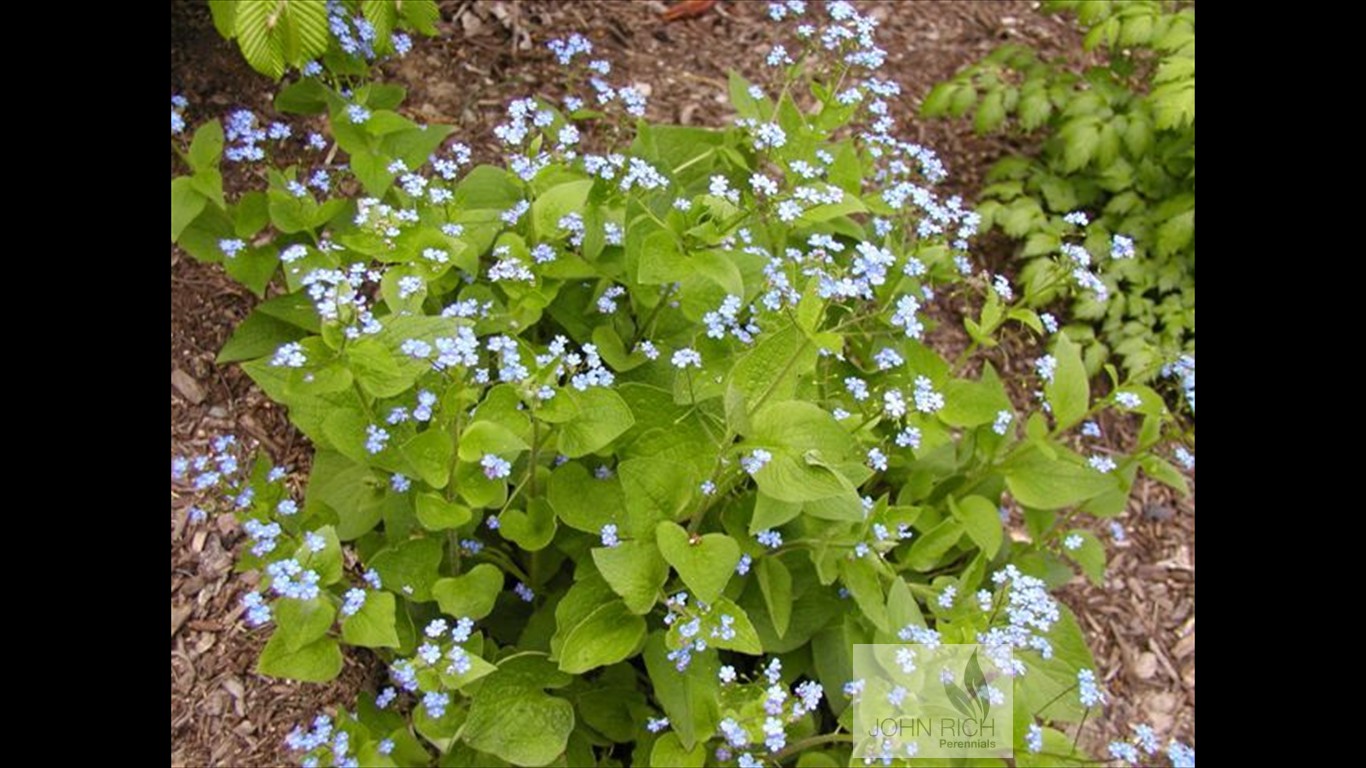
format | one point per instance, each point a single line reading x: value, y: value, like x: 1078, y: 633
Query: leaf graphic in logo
x: 959, y: 698
x: 977, y: 683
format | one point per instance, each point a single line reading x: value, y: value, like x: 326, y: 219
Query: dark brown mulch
x: 1141, y: 623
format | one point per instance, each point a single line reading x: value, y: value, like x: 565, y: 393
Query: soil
x: 1141, y: 623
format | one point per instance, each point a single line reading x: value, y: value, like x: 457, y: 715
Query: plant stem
x: 814, y: 741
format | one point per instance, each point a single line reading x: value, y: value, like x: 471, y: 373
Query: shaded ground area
x: 1141, y: 624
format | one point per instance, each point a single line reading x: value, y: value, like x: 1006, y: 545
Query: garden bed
x: 1140, y: 624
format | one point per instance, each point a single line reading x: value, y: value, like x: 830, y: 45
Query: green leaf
x: 1043, y: 483
x: 861, y: 577
x: 902, y: 609
x: 635, y: 570
x: 770, y: 370
x: 409, y: 567
x: 690, y: 697
x: 531, y: 530
x: 602, y: 417
x: 373, y: 625
x: 421, y: 14
x: 1176, y: 233
x: 609, y: 634
x: 1068, y: 393
x: 704, y: 563
x: 746, y: 639
x: 430, y: 454
x: 927, y: 549
x: 513, y: 718
x: 300, y: 622
x: 435, y: 513
x: 974, y: 403
x: 253, y: 267
x: 317, y: 662
x: 483, y: 437
x: 668, y: 752
x: 186, y: 204
x: 327, y: 562
x: 305, y: 97
x: 347, y: 489
x: 1165, y: 473
x: 990, y: 113
x: 554, y: 203
x: 257, y: 336
x: 789, y: 479
x: 584, y: 502
x: 1081, y: 137
x: 1047, y: 695
x: 981, y: 521
x: 471, y: 594
x: 746, y: 106
x: 655, y: 490
x: 1090, y: 556
x: 776, y: 585
x: 771, y: 513
x: 802, y: 426
x: 207, y: 146
x: 224, y: 14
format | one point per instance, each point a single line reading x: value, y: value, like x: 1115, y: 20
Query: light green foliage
x: 1118, y: 142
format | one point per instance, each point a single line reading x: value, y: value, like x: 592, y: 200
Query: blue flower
x: 609, y: 535
x: 1102, y: 464
x: 1002, y: 423
x: 756, y: 460
x: 687, y: 357
x: 355, y: 600
x: 495, y: 467
x: 1087, y: 690
x: 769, y: 538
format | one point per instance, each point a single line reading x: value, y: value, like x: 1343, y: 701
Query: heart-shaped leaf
x: 705, y: 563
x: 530, y: 530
